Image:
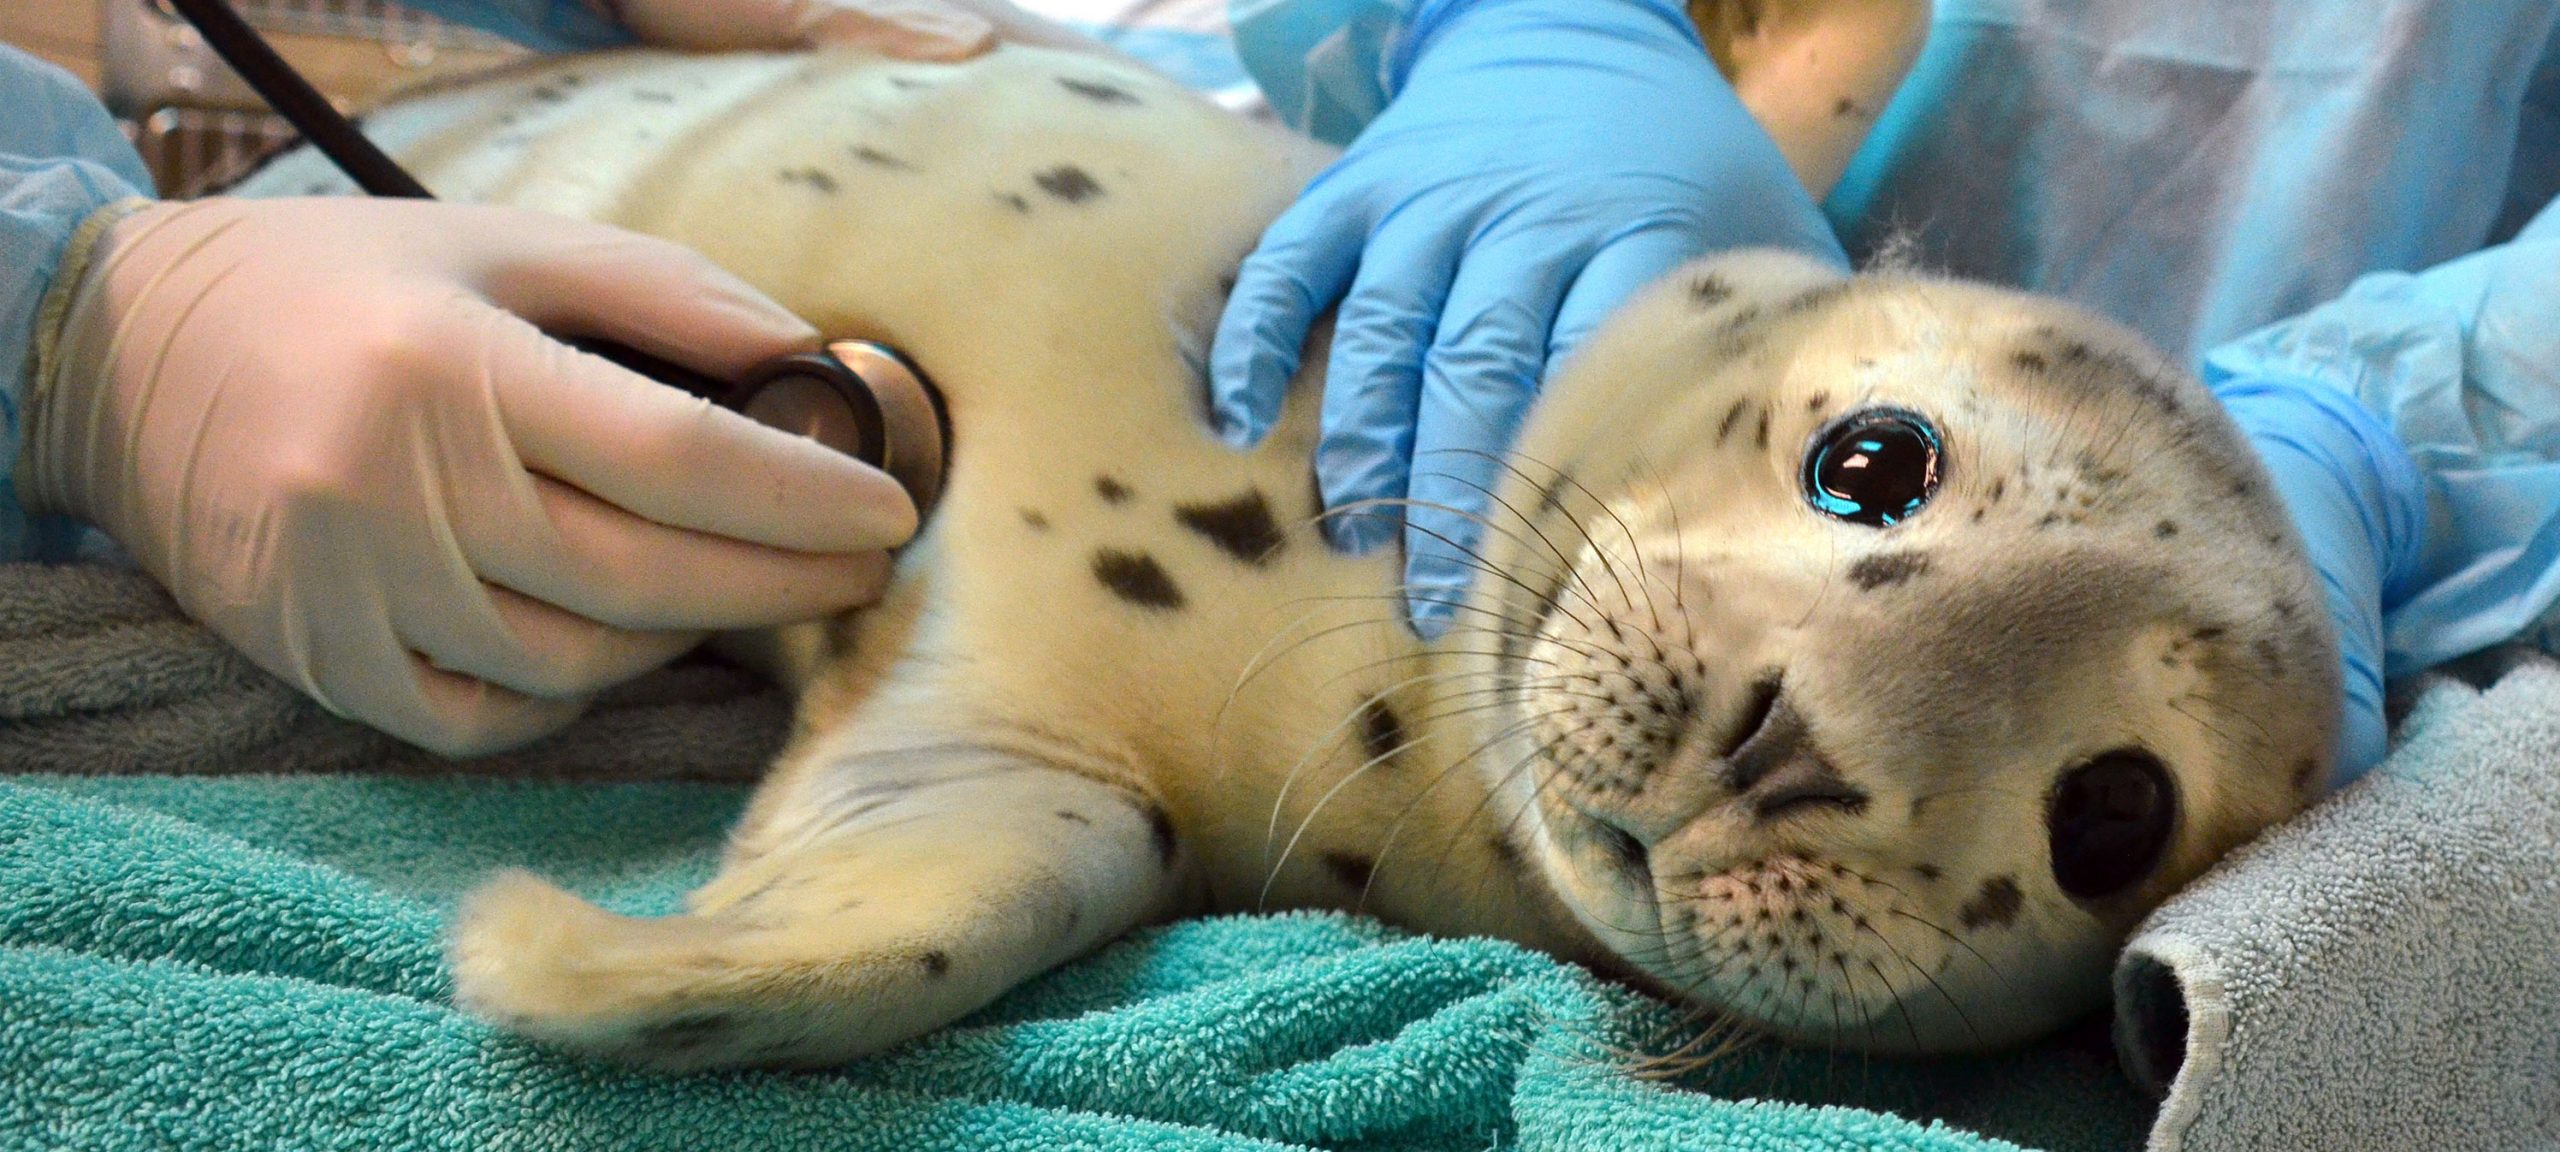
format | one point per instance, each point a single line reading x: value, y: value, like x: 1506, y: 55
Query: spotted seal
x: 1855, y: 657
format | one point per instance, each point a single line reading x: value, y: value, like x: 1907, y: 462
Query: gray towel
x: 101, y: 674
x: 2383, y: 972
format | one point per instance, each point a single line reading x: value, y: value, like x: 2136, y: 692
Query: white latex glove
x: 910, y: 29
x: 334, y: 430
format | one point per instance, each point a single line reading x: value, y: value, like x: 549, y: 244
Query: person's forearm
x: 61, y: 160
x: 2451, y: 543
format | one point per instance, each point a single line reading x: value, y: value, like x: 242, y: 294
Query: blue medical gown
x: 2328, y: 189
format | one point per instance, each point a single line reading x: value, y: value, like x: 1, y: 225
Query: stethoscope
x: 859, y: 397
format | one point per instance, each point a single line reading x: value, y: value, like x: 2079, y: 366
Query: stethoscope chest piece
x: 860, y: 398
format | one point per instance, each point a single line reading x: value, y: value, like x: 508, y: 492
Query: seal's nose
x: 1779, y: 770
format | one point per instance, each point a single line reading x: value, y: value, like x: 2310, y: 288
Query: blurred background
x: 194, y: 123
x: 199, y: 128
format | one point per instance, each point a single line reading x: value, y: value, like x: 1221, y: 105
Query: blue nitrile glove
x: 1540, y: 160
x: 2360, y: 505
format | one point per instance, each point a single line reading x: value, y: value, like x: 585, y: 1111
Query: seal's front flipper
x: 931, y: 879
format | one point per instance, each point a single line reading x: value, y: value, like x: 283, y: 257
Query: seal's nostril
x: 1755, y: 715
x: 1779, y: 769
x: 1808, y: 782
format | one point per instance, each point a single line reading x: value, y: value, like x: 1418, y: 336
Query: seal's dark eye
x: 1873, y: 467
x: 2109, y: 820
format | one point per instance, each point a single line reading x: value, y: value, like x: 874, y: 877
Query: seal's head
x: 1884, y: 647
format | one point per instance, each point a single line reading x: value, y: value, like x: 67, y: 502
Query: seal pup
x: 1857, y: 657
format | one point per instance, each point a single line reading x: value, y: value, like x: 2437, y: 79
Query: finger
x: 1373, y: 380
x: 590, y: 559
x: 679, y: 460
x: 349, y: 659
x: 907, y: 29
x: 1479, y: 381
x: 1301, y: 267
x: 459, y: 716
x: 576, y: 278
x: 521, y: 644
x: 1612, y: 275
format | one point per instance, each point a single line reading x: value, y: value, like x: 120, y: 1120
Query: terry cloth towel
x: 2383, y: 972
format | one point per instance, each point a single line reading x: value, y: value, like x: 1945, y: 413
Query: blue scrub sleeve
x: 1329, y: 66
x: 542, y: 25
x: 61, y: 159
x: 2458, y: 364
x: 1323, y: 64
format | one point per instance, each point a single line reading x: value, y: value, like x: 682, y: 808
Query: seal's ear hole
x: 1873, y: 468
x: 2109, y: 821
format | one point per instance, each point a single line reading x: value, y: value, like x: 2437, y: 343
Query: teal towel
x: 252, y: 962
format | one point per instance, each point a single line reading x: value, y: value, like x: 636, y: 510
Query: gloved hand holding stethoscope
x: 337, y: 431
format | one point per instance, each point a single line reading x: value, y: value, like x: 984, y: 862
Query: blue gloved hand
x: 1540, y: 161
x: 2360, y: 505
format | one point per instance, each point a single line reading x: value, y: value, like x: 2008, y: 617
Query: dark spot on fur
x: 1998, y: 903
x: 1034, y: 520
x: 1818, y: 402
x: 810, y: 176
x: 1160, y: 831
x: 1014, y: 201
x: 2208, y: 635
x: 548, y: 94
x: 1098, y: 92
x: 1551, y: 495
x: 1068, y: 183
x: 1732, y: 420
x: 879, y: 159
x: 1504, y: 850
x: 2165, y: 529
x: 1072, y: 816
x: 1111, y: 490
x: 2269, y: 654
x: 653, y: 95
x: 2031, y: 362
x: 1760, y: 435
x: 687, y: 1032
x: 2303, y: 770
x: 1710, y: 290
x: 2049, y: 519
x: 936, y: 962
x: 1138, y: 579
x: 1999, y: 488
x: 1926, y: 871
x: 1381, y: 730
x: 2075, y: 352
x: 1241, y: 527
x: 1812, y: 298
x: 1354, y: 872
x: 1884, y: 568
